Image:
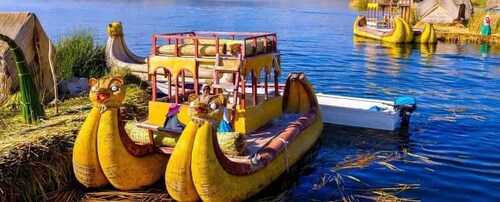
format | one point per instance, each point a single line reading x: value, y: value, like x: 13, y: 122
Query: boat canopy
x: 175, y: 65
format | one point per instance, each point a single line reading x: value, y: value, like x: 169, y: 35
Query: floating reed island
x: 449, y: 28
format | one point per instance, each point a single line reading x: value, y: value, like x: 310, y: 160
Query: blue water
x: 451, y: 150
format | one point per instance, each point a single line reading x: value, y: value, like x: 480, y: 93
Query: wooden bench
x: 170, y: 132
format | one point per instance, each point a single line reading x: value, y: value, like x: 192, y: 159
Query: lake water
x: 451, y: 151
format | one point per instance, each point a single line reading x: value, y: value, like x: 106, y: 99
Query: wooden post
x: 266, y: 96
x: 183, y: 83
x: 169, y: 85
x: 254, y: 88
x: 177, y: 89
x: 196, y: 90
x: 242, y: 98
x: 153, y: 86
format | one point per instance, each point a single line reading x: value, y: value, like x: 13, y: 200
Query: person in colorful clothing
x: 486, y: 28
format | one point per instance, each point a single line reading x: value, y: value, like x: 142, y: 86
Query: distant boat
x: 382, y: 31
x: 393, y: 26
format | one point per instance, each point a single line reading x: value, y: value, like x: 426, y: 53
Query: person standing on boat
x: 486, y: 28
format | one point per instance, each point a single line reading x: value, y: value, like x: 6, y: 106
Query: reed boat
x: 427, y: 35
x: 381, y: 24
x: 395, y: 34
x: 118, y: 55
x: 103, y: 152
x: 223, y: 140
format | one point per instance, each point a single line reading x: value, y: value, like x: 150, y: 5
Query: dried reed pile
x: 35, y: 160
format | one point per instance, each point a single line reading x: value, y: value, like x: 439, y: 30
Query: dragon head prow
x: 107, y: 91
x: 205, y: 110
x: 115, y: 29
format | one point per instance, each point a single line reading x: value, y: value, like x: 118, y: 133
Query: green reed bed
x: 79, y: 55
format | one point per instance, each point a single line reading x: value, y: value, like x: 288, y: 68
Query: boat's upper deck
x: 208, y: 44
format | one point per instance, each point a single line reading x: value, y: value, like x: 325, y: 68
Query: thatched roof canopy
x: 493, y: 4
x: 443, y: 11
x: 25, y: 29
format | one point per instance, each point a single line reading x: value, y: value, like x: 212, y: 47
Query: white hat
x: 487, y: 15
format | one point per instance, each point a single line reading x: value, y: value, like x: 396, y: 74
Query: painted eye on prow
x: 214, y: 106
x: 115, y: 88
x: 191, y: 104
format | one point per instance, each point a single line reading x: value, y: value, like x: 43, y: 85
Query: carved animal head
x: 115, y: 29
x: 107, y: 91
x: 209, y: 110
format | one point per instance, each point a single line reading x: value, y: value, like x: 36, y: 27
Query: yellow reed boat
x: 427, y: 35
x: 191, y: 119
x: 395, y: 34
x: 388, y: 21
x: 278, y: 124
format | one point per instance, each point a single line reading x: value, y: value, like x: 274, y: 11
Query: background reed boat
x: 389, y: 21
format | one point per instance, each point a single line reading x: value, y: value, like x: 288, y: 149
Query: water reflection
x: 403, y: 50
x: 484, y: 50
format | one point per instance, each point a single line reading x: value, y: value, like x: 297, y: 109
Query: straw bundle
x: 261, y: 47
x: 189, y: 49
x: 27, y: 32
x: 234, y: 46
x: 31, y: 165
x: 231, y: 143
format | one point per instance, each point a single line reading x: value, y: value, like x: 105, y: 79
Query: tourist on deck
x: 171, y: 121
x: 205, y: 93
x: 486, y: 28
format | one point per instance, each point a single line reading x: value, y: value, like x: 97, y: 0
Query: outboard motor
x: 405, y: 105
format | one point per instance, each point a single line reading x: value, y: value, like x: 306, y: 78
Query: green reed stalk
x: 31, y: 108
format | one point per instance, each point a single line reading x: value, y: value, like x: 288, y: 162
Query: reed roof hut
x: 444, y: 11
x: 493, y: 5
x: 25, y: 29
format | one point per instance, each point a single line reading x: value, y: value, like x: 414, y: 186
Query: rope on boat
x: 286, y: 153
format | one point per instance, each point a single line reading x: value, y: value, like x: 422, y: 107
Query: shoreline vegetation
x: 36, y: 159
x: 467, y: 32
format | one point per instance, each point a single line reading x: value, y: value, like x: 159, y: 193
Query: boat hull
x: 210, y: 175
x: 398, y: 34
x: 214, y: 183
x: 425, y: 36
x: 356, y: 112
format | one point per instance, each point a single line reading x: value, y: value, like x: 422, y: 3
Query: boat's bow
x: 425, y: 36
x: 118, y: 55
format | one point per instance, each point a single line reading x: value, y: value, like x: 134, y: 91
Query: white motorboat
x: 366, y: 113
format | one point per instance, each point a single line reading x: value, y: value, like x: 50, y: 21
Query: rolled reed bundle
x: 141, y: 135
x: 235, y: 46
x: 231, y: 143
x: 188, y: 49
